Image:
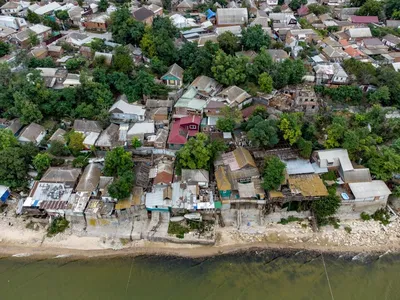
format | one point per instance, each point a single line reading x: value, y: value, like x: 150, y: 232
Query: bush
x: 364, y: 216
x: 57, y: 148
x: 289, y: 219
x: 80, y: 162
x: 347, y: 229
x: 382, y: 216
x: 55, y: 162
x: 178, y: 229
x: 58, y: 225
x: 325, y: 207
x: 331, y: 175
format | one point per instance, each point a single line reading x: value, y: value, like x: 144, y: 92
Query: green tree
x: 41, y: 162
x: 318, y: 9
x: 262, y: 64
x: 225, y: 125
x: 381, y: 95
x: 33, y: 39
x: 80, y: 162
x: 336, y: 131
x: 27, y: 110
x: 7, y: 139
x: 63, y: 16
x: 58, y: 148
x: 391, y: 6
x: 46, y: 62
x: 228, y: 69
x: 122, y: 61
x: 103, y: 5
x: 118, y: 162
x: 326, y: 206
x: 124, y: 28
x: 121, y: 188
x: 254, y: 38
x: 74, y: 64
x: 371, y: 8
x: 4, y: 48
x: 290, y: 125
x: 265, y: 82
x: 262, y: 133
x: 385, y: 164
x: 33, y: 18
x: 195, y: 154
x: 165, y: 25
x: 147, y: 43
x: 75, y: 142
x: 50, y: 22
x: 296, y: 4
x: 136, y: 143
x: 273, y: 173
x: 228, y: 42
x: 305, y: 147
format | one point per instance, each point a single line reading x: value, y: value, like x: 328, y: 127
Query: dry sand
x: 367, y: 236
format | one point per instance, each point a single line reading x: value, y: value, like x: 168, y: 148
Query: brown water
x: 253, y: 275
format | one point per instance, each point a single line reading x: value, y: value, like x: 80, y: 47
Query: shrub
x: 178, y: 229
x: 331, y: 175
x: 348, y: 229
x: 58, y: 225
x: 80, y: 162
x: 382, y: 216
x: 364, y: 216
x: 289, y: 219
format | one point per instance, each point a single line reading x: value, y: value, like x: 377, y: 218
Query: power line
x: 327, y: 277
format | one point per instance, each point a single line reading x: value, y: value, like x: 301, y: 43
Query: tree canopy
x: 261, y: 132
x: 228, y: 69
x: 273, y: 173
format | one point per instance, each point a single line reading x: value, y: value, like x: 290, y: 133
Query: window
x: 192, y: 127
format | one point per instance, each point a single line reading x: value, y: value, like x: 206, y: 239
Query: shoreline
x: 188, y: 251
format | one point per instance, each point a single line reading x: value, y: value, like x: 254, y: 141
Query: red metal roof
x: 364, y: 19
x: 177, y: 134
x: 190, y: 120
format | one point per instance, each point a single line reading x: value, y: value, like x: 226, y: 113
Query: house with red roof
x: 302, y: 11
x: 364, y: 20
x: 182, y: 129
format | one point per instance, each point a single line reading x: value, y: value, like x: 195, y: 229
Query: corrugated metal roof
x: 375, y: 188
x: 298, y: 166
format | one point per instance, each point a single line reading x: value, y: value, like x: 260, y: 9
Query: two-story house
x: 182, y: 129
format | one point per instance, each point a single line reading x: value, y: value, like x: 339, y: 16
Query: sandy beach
x: 365, y: 236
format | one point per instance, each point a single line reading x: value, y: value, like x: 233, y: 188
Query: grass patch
x: 177, y: 229
x: 58, y: 225
x: 330, y: 176
x: 364, y: 216
x: 289, y: 219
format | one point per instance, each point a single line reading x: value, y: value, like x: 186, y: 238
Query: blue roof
x: 210, y: 14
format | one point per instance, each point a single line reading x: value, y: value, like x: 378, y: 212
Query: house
x: 12, y: 22
x: 157, y: 10
x: 14, y: 125
x: 33, y: 133
x: 52, y: 194
x: 286, y: 19
x: 77, y: 39
x: 163, y: 173
x: 184, y: 5
x: 300, y: 35
x: 47, y: 9
x: 144, y: 15
x: 375, y: 190
x: 90, y: 179
x: 6, y: 33
x: 126, y: 112
x: 358, y: 33
x: 364, y: 20
x: 109, y: 138
x: 103, y: 192
x: 306, y: 100
x: 160, y: 140
x: 90, y: 130
x: 141, y: 130
x: 41, y: 31
x: 159, y: 110
x: 345, y: 13
x: 374, y: 46
x: 72, y: 80
x: 12, y: 8
x: 206, y: 86
x: 235, y: 29
x: 391, y: 40
x: 323, y: 73
x: 40, y: 52
x: 59, y: 136
x: 393, y: 23
x: 96, y: 23
x: 239, y: 178
x: 22, y: 38
x: 53, y: 77
x: 334, y: 54
x: 278, y: 55
x: 160, y: 114
x: 174, y: 77
x: 214, y: 108
x: 190, y: 103
x: 196, y: 177
x: 55, y: 51
x: 75, y: 15
x: 303, y: 11
x: 235, y: 96
x: 182, y: 129
x: 339, y: 75
x: 263, y: 20
x: 4, y: 193
x: 232, y: 16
